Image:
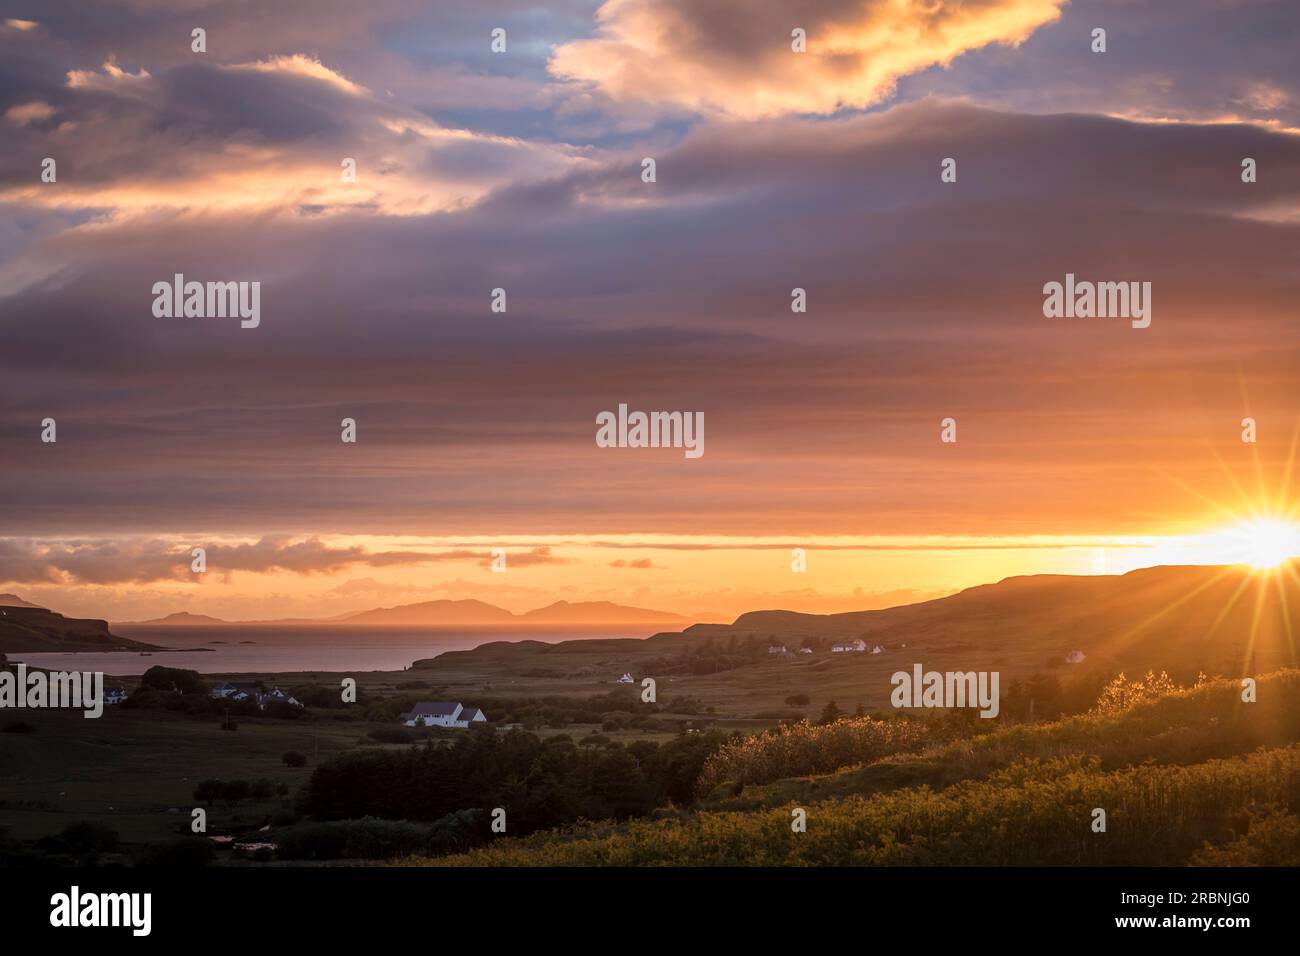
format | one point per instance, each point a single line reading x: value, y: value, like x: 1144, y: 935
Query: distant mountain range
x: 447, y: 613
x: 1225, y: 620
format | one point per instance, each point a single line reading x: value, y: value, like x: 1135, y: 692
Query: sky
x: 1083, y: 444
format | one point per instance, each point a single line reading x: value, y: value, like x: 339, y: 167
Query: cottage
x: 805, y: 650
x: 442, y: 714
x: 626, y: 679
x: 114, y: 695
x: 252, y: 692
x: 1074, y: 657
x: 852, y: 647
x: 877, y: 649
x: 777, y: 649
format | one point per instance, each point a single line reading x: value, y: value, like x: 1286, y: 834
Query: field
x: 1196, y: 776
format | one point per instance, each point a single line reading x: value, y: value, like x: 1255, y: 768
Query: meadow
x: 1193, y: 776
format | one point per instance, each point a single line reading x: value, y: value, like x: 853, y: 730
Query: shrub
x: 294, y: 759
x: 370, y: 838
x: 1122, y: 694
x: 1035, y: 813
x: 804, y: 748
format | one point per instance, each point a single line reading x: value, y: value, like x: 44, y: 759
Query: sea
x: 254, y: 650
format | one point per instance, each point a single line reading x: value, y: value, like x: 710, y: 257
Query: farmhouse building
x: 242, y: 692
x: 436, y: 713
x: 852, y: 647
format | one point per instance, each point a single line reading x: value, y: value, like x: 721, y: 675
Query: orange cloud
x: 735, y: 57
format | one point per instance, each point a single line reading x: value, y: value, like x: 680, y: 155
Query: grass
x: 128, y: 769
x: 1182, y: 779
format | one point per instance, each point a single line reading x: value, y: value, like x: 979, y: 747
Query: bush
x: 208, y: 791
x: 294, y: 759
x: 1271, y: 839
x: 803, y: 748
x: 373, y: 839
x: 174, y: 680
x: 1035, y: 813
x: 798, y: 700
x: 80, y: 838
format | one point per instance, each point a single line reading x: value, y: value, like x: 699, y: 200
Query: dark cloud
x: 141, y: 561
x: 924, y: 302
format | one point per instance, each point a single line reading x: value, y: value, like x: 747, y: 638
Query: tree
x: 208, y: 791
x: 173, y: 679
x: 798, y: 700
x: 294, y: 759
x: 830, y: 714
x: 236, y: 790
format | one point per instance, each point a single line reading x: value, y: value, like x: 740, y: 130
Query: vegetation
x: 804, y: 748
x: 1185, y: 775
x: 544, y: 782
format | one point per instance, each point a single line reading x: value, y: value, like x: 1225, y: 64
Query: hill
x: 26, y: 628
x: 1220, y: 619
x: 447, y: 613
x: 430, y: 614
x: 599, y: 612
x: 1181, y: 619
x: 183, y: 619
x: 1193, y: 777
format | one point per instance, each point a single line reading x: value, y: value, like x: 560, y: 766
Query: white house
x: 852, y: 647
x: 242, y: 692
x: 436, y: 713
x: 275, y: 695
x: 777, y: 649
x: 805, y: 650
x: 1074, y: 657
x: 877, y: 649
x: 114, y: 695
x: 626, y: 679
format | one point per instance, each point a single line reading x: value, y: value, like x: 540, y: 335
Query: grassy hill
x: 1197, y: 776
x: 1229, y: 619
x: 1224, y: 621
x: 28, y: 628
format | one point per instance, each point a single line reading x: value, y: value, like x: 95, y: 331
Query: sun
x: 1263, y: 542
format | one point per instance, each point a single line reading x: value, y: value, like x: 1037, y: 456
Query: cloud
x: 734, y: 56
x: 263, y: 137
x: 639, y: 564
x: 921, y: 293
x: 101, y: 562
x: 299, y: 65
x: 536, y: 556
x: 26, y: 113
